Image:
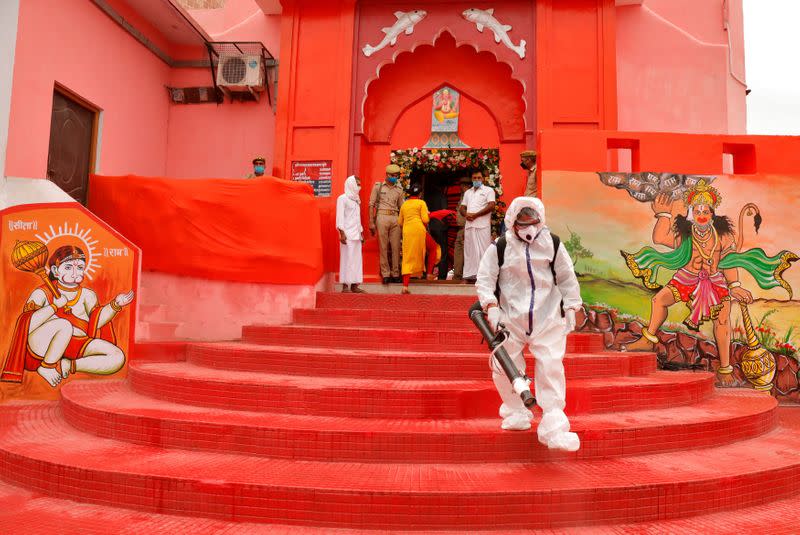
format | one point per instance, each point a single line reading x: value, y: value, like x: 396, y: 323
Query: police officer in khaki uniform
x: 384, y: 207
x: 527, y: 160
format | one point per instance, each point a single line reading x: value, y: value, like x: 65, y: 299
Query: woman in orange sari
x: 413, y: 218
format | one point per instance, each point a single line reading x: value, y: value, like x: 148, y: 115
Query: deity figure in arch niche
x: 445, y: 104
x: 63, y: 328
x: 705, y: 253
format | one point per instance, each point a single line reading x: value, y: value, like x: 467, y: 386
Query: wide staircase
x: 377, y: 412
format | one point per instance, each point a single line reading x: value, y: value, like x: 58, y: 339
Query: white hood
x: 524, y: 202
x: 351, y: 189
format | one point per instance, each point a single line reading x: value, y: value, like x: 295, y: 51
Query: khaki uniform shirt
x: 531, y: 187
x: 386, y: 197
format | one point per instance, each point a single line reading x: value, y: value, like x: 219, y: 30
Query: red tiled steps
x: 355, y: 317
x: 112, y: 410
x: 155, y: 351
x: 39, y: 451
x: 372, y: 398
x: 413, y: 339
x: 374, y: 364
x: 454, y: 303
x: 30, y: 512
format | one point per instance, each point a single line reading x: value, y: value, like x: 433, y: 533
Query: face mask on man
x: 477, y: 184
x: 259, y: 169
x: 526, y: 232
x: 391, y: 179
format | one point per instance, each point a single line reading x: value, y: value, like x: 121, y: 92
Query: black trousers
x: 438, y: 231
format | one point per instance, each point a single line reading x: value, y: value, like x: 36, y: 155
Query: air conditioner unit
x: 240, y: 72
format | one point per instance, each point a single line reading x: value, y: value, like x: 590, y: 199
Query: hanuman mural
x: 705, y: 253
x: 63, y: 328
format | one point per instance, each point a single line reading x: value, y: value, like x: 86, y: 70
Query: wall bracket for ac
x: 243, y: 70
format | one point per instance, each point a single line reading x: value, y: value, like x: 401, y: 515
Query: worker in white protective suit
x: 530, y: 306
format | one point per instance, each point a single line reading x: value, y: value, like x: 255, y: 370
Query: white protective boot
x: 566, y: 441
x: 505, y: 411
x: 517, y: 421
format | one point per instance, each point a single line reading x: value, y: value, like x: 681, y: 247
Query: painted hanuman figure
x: 57, y: 336
x: 704, y: 254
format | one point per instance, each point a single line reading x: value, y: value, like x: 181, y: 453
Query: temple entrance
x: 449, y: 110
x: 441, y: 189
x: 440, y: 173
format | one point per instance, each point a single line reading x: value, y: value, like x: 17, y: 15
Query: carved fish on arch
x: 406, y: 21
x: 485, y: 19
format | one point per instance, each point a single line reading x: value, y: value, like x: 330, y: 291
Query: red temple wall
x: 443, y: 17
x: 563, y: 150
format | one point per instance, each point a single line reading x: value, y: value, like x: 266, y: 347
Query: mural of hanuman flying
x: 706, y: 255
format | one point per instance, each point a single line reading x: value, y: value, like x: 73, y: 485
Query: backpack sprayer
x: 519, y: 382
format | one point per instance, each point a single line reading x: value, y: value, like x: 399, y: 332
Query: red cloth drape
x: 263, y: 230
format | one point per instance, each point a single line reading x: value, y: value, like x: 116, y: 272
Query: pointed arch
x: 416, y: 74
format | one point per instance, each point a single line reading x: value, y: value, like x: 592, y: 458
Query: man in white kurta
x: 351, y: 236
x: 477, y: 207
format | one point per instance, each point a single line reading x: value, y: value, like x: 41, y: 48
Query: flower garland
x: 432, y: 160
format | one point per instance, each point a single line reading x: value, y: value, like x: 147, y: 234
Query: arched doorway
x: 397, y: 108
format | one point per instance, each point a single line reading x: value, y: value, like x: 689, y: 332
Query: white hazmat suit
x: 530, y: 308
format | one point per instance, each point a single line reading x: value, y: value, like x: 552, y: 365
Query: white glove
x: 569, y: 318
x: 494, y: 317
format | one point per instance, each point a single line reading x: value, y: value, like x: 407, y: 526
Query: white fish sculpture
x: 486, y: 19
x: 405, y: 24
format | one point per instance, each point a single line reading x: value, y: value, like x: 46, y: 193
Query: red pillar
x: 576, y: 64
x: 314, y: 96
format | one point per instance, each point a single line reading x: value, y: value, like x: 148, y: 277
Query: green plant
x: 786, y: 346
x: 768, y: 337
x: 575, y: 248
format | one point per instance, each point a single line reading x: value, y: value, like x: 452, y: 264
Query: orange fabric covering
x: 263, y: 230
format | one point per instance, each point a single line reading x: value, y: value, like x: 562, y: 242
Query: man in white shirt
x: 477, y: 207
x: 351, y: 236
